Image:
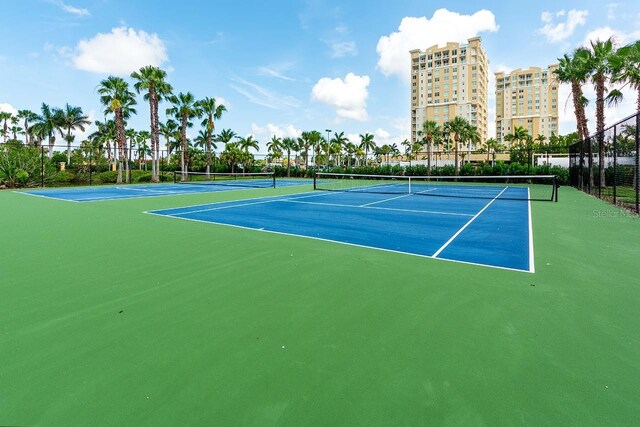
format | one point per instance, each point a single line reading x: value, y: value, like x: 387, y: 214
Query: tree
x: 118, y: 100
x: 336, y: 143
x: 600, y: 68
x: 626, y: 68
x: 143, y: 148
x: 492, y: 145
x: 184, y: 108
x: 288, y: 144
x: 152, y: 81
x: 5, y: 117
x: 225, y: 136
x: 367, y: 143
x: 28, y: 116
x: 457, y: 128
x: 248, y: 142
x: 168, y: 129
x: 430, y: 131
x: 274, y: 147
x: 212, y: 111
x: 71, y: 118
x: 231, y: 155
x: 47, y: 123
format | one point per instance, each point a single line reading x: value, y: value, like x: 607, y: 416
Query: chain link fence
x: 614, y: 176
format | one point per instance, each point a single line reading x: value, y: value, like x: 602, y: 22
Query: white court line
x: 282, y: 233
x: 384, y: 200
x: 375, y: 207
x: 45, y: 197
x: 531, y: 257
x: 236, y: 205
x: 443, y: 247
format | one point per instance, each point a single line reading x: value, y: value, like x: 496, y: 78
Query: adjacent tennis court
x: 194, y: 183
x: 484, y: 223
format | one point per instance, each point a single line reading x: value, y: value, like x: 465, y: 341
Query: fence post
x: 637, y: 163
x: 590, y: 163
x: 615, y: 164
x: 42, y: 166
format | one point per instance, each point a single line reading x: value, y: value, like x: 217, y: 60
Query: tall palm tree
x: 304, y: 142
x: 152, y: 80
x: 143, y: 148
x: 430, y: 131
x: 573, y: 70
x: 492, y: 145
x: 288, y: 144
x: 71, y: 118
x: 47, y: 123
x: 184, y: 108
x: 626, y: 67
x: 118, y: 100
x: 168, y: 130
x: 600, y: 68
x: 5, y: 117
x: 28, y: 116
x: 248, y: 142
x: 408, y: 150
x: 225, y: 136
x: 457, y: 128
x: 212, y: 111
x: 337, y: 143
x: 274, y: 147
x: 367, y: 143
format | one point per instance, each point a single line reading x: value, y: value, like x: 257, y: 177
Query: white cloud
x: 70, y: 9
x: 348, y: 96
x: 382, y: 134
x: 264, y: 133
x: 421, y: 33
x: 273, y: 72
x: 8, y: 108
x: 119, y: 52
x: 604, y: 33
x: 559, y: 32
x: 343, y: 48
x: 263, y: 96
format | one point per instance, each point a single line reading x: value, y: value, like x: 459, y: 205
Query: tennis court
x: 196, y: 183
x: 479, y: 223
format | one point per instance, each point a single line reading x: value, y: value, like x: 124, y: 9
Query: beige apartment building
x: 447, y: 82
x: 527, y: 98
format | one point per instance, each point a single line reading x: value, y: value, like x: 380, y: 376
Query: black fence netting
x: 612, y: 176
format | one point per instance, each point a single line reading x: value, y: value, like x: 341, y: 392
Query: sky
x: 282, y: 67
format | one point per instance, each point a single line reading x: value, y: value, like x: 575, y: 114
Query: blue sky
x: 281, y: 67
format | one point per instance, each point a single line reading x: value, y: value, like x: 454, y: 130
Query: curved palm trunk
x: 68, y: 146
x: 209, y: 136
x: 429, y: 154
x: 183, y: 143
x: 52, y: 143
x: 455, y: 159
x: 155, y: 133
x: 120, y: 139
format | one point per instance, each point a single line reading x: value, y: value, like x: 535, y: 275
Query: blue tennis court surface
x: 493, y: 232
x: 127, y: 191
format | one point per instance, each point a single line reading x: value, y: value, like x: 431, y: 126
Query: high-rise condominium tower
x: 447, y: 82
x: 529, y: 99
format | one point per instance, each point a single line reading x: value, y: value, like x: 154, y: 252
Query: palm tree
x: 118, y: 100
x: 28, y: 116
x: 492, y: 145
x: 626, y: 67
x: 5, y: 117
x: 407, y: 150
x: 430, y: 131
x: 248, y: 142
x: 46, y: 125
x: 212, y: 111
x: 168, y: 129
x: 337, y: 142
x: 71, y: 118
x: 225, y: 136
x: 274, y: 147
x: 152, y: 80
x: 600, y: 69
x: 288, y: 144
x: 143, y: 148
x: 457, y: 128
x: 367, y: 143
x: 184, y: 108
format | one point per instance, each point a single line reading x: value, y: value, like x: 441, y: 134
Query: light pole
x: 328, y: 144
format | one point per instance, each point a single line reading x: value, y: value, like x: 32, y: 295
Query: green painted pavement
x: 109, y: 316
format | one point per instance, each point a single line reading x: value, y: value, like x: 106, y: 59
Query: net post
x: 175, y: 179
x: 555, y: 188
x: 409, y: 185
x: 274, y: 180
x: 315, y: 177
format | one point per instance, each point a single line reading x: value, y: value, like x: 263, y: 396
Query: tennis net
x: 514, y: 187
x: 257, y: 180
